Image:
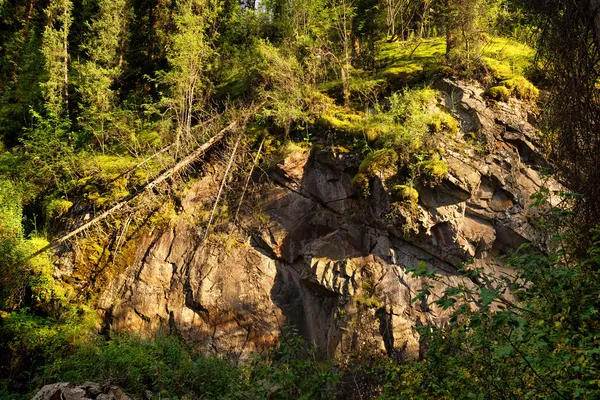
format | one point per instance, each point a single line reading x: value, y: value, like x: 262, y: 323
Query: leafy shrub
x: 12, y: 279
x: 166, y: 365
x: 163, y: 365
x: 531, y: 345
x: 415, y: 115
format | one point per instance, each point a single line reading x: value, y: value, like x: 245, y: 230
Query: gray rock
x: 88, y: 390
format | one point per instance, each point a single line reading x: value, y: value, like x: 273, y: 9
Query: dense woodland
x: 111, y: 106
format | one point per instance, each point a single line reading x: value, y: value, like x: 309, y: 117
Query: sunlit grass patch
x: 409, y: 62
x: 507, y: 58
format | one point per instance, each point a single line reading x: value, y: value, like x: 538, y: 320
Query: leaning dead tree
x: 234, y: 126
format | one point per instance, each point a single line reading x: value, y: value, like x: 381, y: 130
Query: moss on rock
x: 521, y: 88
x: 499, y: 93
x: 405, y: 193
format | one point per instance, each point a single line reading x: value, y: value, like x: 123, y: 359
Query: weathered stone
x: 88, y: 390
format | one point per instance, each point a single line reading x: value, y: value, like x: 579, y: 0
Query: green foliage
x: 434, y: 169
x: 36, y: 341
x: 286, y: 87
x: 521, y: 88
x: 405, y: 193
x: 379, y: 162
x: 500, y: 93
x: 56, y: 56
x: 343, y: 119
x: 291, y: 371
x: 11, y: 239
x: 416, y: 121
x: 442, y: 122
x: 466, y: 22
x: 165, y: 365
x: 543, y: 345
x: 97, y: 75
x: 56, y: 208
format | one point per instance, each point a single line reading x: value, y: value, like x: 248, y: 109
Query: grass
x: 507, y: 58
x: 407, y: 62
x: 105, y: 178
x: 411, y: 62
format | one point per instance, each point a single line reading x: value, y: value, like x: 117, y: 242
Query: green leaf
x: 488, y: 296
x: 503, y: 351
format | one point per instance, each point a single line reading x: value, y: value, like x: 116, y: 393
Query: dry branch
x: 237, y: 211
x: 225, y: 176
x: 156, y: 181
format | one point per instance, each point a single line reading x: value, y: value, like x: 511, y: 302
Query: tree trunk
x: 595, y: 9
x: 66, y: 59
x: 449, y: 26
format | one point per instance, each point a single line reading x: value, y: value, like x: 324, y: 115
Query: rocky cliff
x: 312, y: 252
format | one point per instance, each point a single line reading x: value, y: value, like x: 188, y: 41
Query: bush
x: 532, y: 344
x: 164, y: 365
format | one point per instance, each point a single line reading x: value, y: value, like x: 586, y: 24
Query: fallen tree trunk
x: 150, y: 185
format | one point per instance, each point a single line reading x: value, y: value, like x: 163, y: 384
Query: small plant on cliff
x: 379, y: 163
x: 405, y: 193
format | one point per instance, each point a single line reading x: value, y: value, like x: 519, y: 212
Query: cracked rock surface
x: 331, y: 262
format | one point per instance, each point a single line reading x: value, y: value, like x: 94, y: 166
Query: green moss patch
x: 506, y: 58
x: 521, y: 88
x: 405, y: 193
x: 499, y: 93
x: 410, y: 62
x: 343, y: 119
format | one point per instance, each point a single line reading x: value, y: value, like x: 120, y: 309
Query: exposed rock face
x: 331, y: 263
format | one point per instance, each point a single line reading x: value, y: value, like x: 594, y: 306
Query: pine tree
x: 104, y: 47
x: 55, y: 49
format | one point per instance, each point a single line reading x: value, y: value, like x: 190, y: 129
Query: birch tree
x: 190, y: 56
x: 344, y: 13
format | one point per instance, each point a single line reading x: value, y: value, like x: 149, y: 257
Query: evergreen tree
x: 104, y: 48
x: 55, y: 49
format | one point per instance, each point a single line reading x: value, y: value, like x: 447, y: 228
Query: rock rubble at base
x: 85, y: 391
